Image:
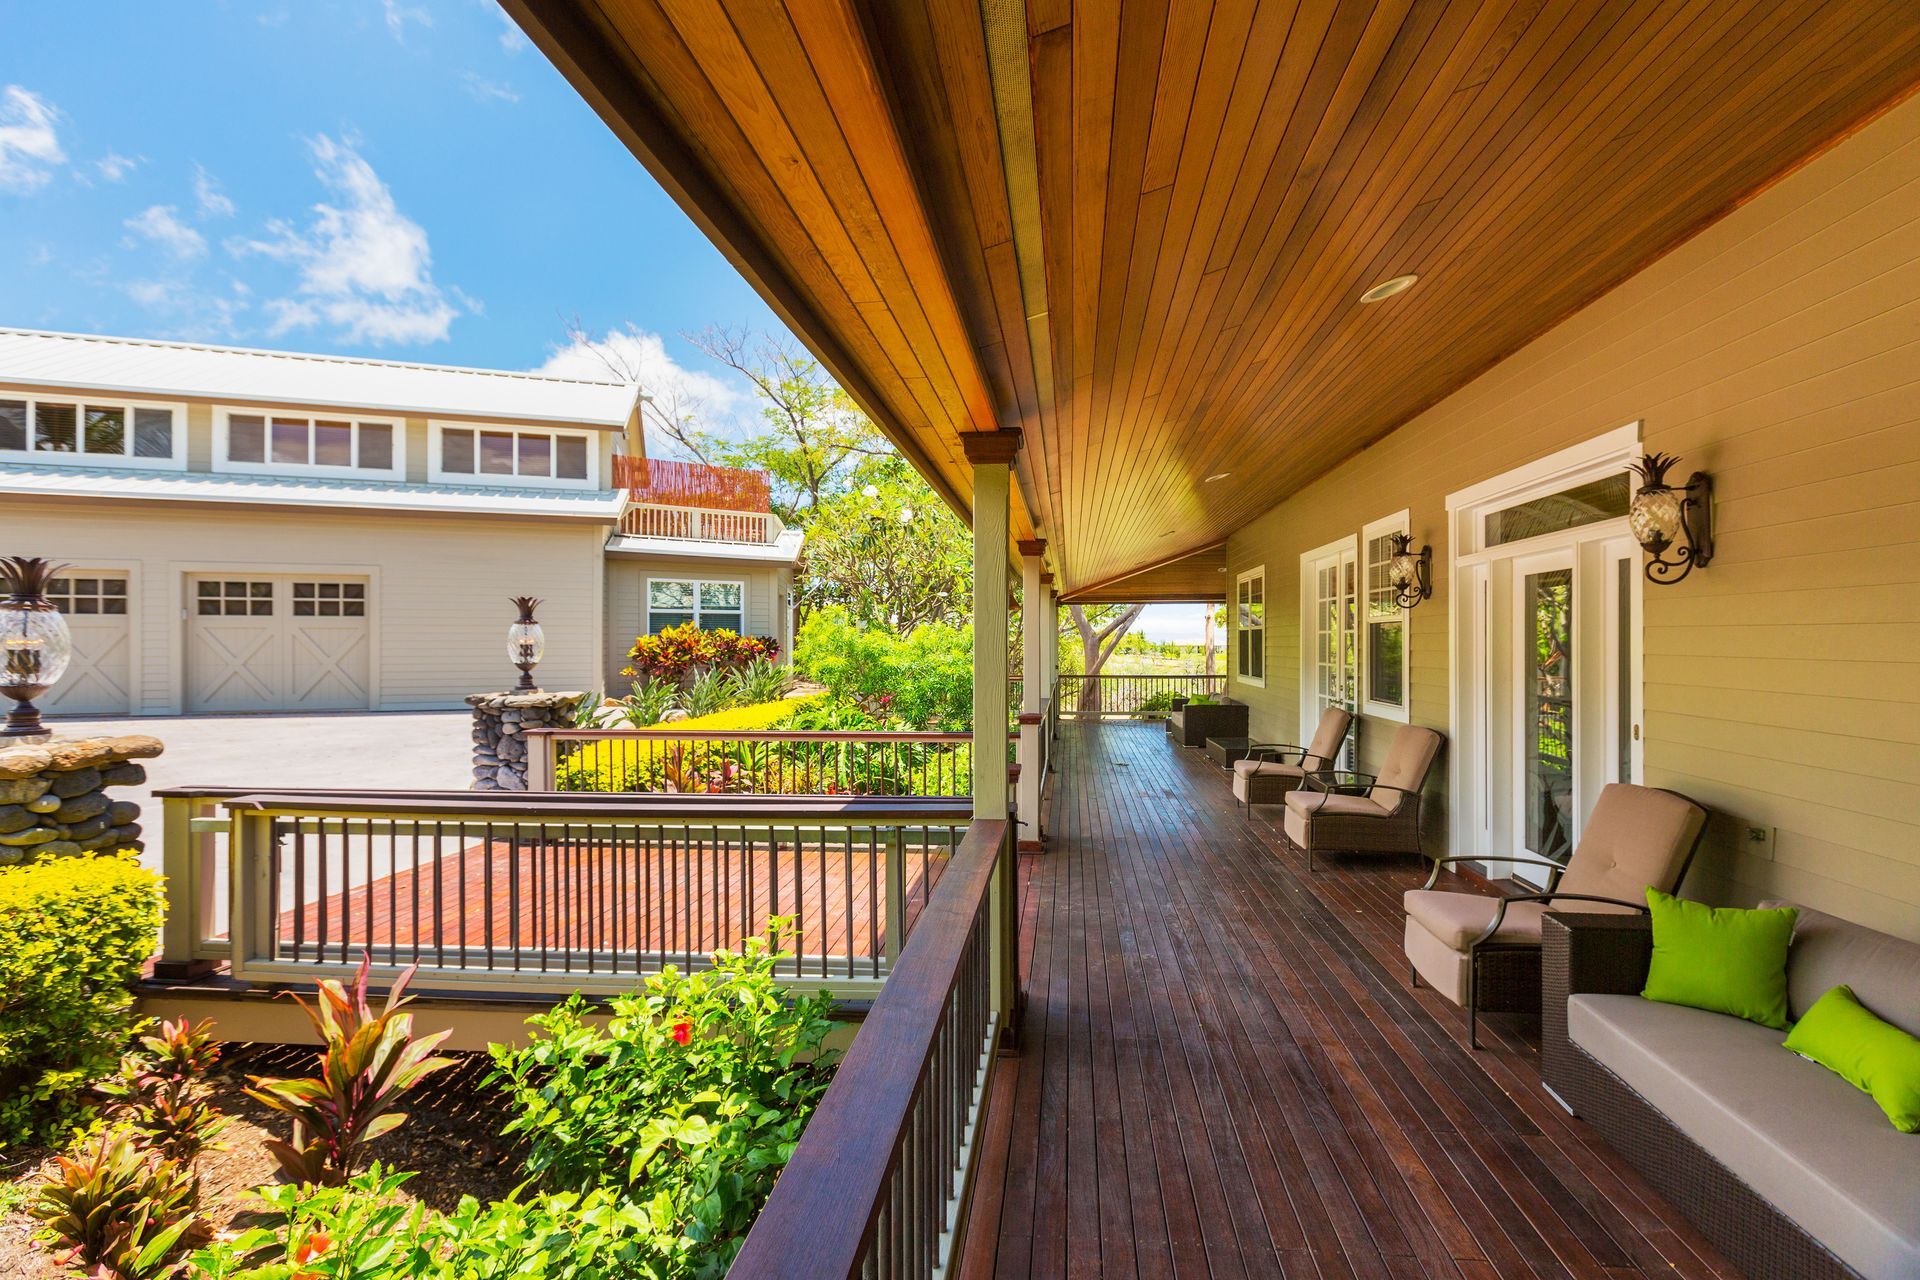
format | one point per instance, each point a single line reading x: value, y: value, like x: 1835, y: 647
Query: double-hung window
x: 1250, y: 626
x: 117, y: 433
x: 262, y: 442
x: 1385, y: 623
x: 509, y: 455
x: 709, y: 604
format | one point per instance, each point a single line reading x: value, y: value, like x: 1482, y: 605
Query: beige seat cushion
x: 1635, y: 837
x: 1456, y: 919
x: 1245, y: 767
x: 1302, y: 805
x: 1800, y: 1136
x: 1884, y: 971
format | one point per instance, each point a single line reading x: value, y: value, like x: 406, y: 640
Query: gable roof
x: 148, y: 367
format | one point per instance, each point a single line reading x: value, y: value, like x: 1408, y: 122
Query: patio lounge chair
x: 1366, y: 813
x: 1484, y: 952
x: 1194, y: 722
x: 1271, y: 769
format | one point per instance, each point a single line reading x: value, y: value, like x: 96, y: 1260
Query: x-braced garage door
x: 294, y: 643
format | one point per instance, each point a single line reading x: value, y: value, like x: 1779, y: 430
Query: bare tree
x: 670, y: 411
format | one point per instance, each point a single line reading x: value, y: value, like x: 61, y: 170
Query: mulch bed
x: 451, y: 1140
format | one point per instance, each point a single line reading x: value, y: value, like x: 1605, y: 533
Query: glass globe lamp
x: 35, y: 645
x: 526, y: 642
x: 1407, y: 571
x: 1674, y: 526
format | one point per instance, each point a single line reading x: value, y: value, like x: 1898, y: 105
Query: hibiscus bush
x: 687, y: 1103
x: 679, y: 652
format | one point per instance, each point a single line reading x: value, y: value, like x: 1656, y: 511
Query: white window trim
x: 1399, y: 522
x: 222, y: 463
x: 177, y: 461
x: 1234, y: 628
x: 490, y: 481
x: 697, y: 583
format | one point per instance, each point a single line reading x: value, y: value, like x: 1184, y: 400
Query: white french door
x: 1547, y: 637
x: 1330, y: 624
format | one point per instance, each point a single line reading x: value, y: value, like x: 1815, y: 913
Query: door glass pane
x: 1569, y: 509
x: 1623, y: 644
x: 1547, y: 712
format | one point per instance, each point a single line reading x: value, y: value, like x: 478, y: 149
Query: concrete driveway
x: 386, y: 749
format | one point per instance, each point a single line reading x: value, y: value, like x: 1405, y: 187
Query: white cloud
x: 513, y: 39
x: 161, y: 225
x: 29, y: 144
x: 213, y: 202
x: 115, y: 167
x: 365, y: 267
x: 720, y: 404
x: 183, y: 311
x: 399, y: 15
x: 481, y: 89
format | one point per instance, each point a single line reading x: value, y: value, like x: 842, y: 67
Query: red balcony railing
x: 693, y: 484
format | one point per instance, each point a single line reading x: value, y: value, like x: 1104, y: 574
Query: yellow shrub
x: 619, y: 764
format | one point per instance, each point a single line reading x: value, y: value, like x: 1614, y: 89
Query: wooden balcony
x: 1225, y: 1071
x: 692, y: 502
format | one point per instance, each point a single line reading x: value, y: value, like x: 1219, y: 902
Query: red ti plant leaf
x: 367, y: 1060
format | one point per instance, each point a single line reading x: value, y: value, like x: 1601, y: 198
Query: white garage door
x: 278, y: 644
x: 99, y: 680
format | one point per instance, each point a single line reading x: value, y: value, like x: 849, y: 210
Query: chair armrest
x: 1271, y: 750
x: 1512, y: 857
x: 1597, y: 954
x: 1332, y: 780
x: 1507, y: 900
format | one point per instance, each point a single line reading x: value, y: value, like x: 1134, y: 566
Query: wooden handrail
x: 823, y: 1209
x: 590, y: 804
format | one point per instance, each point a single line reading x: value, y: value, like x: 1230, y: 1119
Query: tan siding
x: 199, y: 435
x: 419, y: 441
x: 440, y: 586
x: 1780, y: 350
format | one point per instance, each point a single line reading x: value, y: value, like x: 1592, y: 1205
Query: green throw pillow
x: 1876, y: 1057
x: 1720, y: 958
x: 1199, y: 702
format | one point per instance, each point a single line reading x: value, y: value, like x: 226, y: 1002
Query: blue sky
x: 395, y: 178
x: 403, y: 179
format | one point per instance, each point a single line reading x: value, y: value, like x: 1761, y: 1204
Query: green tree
x: 888, y: 552
x: 1097, y: 631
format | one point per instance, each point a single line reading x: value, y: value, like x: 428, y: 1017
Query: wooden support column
x: 991, y: 454
x: 1034, y: 683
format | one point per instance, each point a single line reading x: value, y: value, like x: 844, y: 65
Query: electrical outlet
x: 1759, y: 841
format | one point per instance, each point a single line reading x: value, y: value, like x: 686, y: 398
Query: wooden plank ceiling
x: 1138, y: 230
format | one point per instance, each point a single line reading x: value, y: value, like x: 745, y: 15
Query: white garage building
x: 261, y: 531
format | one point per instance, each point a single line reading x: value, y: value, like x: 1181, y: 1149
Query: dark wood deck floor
x: 1227, y: 1073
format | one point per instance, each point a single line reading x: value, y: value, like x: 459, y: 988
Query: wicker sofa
x: 1192, y: 723
x: 1787, y: 1168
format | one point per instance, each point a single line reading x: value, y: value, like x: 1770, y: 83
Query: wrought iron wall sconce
x: 1409, y: 572
x: 1673, y: 525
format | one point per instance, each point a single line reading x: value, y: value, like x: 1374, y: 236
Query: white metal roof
x: 173, y: 370
x: 126, y: 484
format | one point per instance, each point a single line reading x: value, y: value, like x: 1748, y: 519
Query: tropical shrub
x: 367, y: 1060
x: 73, y: 935
x: 161, y: 1095
x: 923, y: 680
x: 1157, y: 706
x: 709, y: 691
x: 688, y: 1102
x: 647, y: 766
x: 365, y: 1231
x: 647, y: 705
x: 121, y: 1211
x: 678, y: 652
x: 762, y: 680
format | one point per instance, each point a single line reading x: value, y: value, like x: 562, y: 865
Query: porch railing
x: 493, y: 891
x: 699, y: 524
x: 770, y: 762
x: 1094, y: 696
x: 878, y: 1185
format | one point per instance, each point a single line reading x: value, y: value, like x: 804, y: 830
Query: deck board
x: 1226, y: 1071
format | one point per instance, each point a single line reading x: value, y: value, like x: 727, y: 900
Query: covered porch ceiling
x: 1139, y: 231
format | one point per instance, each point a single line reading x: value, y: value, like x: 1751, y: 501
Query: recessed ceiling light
x: 1218, y: 475
x: 1387, y: 288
